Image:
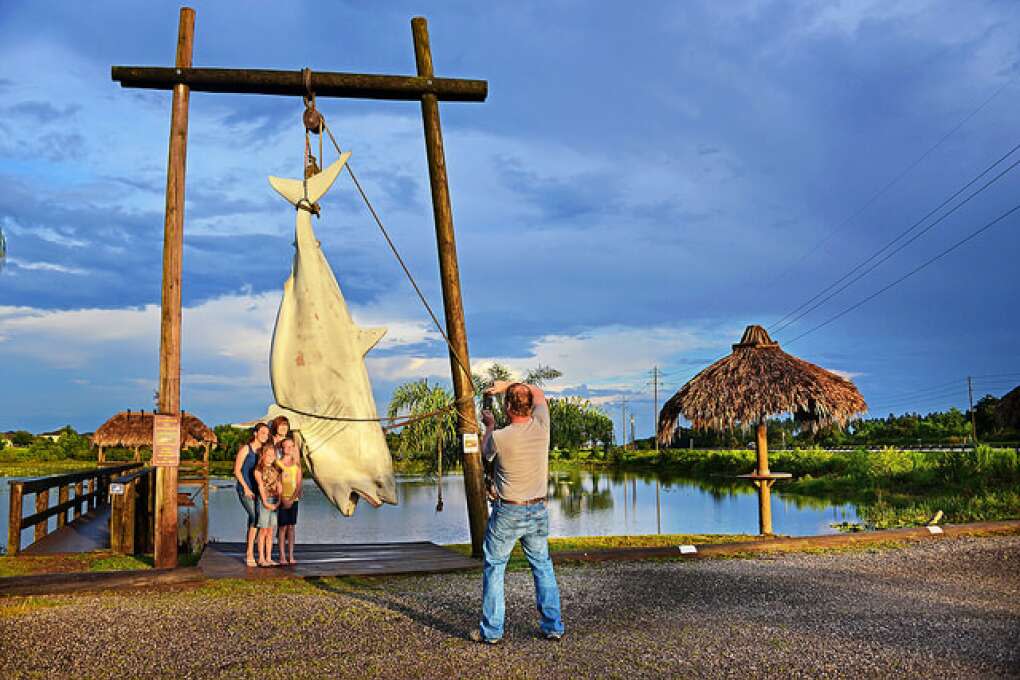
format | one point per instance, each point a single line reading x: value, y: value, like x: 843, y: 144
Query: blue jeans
x: 507, y: 524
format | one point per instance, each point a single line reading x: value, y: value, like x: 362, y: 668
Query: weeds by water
x: 890, y: 488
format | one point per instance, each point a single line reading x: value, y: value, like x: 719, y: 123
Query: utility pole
x: 623, y: 422
x: 973, y: 419
x: 655, y: 407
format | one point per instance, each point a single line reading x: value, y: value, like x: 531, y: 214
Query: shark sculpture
x: 318, y: 371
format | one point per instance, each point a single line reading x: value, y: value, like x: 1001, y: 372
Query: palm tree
x: 422, y: 438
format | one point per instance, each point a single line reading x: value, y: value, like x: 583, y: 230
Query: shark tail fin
x: 317, y: 185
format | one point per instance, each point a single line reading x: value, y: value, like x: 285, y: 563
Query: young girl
x: 267, y: 477
x: 290, y: 473
x: 280, y: 427
x: 244, y: 472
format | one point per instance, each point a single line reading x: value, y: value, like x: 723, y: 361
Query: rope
x: 407, y: 272
x: 397, y: 421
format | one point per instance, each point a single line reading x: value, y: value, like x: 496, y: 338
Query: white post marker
x: 688, y: 550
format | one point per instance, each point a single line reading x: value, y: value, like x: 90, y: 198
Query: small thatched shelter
x: 1008, y: 410
x: 756, y: 381
x: 133, y: 430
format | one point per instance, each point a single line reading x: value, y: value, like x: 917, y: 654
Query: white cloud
x: 227, y: 341
x: 46, y: 266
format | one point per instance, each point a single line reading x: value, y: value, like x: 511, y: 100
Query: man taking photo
x: 520, y: 452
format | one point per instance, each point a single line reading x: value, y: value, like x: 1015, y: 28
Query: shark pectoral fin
x: 294, y: 189
x: 369, y: 338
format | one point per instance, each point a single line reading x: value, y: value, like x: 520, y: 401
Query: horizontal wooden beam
x: 44, y: 515
x: 43, y: 483
x: 324, y: 83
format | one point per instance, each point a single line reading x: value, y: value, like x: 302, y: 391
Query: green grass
x: 43, y: 468
x: 592, y: 543
x: 27, y: 565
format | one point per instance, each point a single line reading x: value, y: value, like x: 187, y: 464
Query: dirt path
x: 947, y: 608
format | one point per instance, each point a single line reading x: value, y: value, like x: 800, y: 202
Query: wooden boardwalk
x: 89, y: 532
x: 226, y: 560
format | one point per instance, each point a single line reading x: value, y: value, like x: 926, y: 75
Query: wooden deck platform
x: 226, y: 560
x: 89, y: 532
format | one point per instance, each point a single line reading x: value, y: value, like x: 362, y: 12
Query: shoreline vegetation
x: 891, y: 487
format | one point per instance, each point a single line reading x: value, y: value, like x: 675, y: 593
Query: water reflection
x: 583, y: 502
x: 576, y: 493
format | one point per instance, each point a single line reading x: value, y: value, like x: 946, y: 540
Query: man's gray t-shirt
x: 522, y: 457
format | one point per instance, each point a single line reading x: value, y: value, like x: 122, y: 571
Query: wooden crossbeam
x: 324, y: 83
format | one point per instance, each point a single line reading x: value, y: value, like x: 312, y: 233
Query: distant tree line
x: 937, y: 427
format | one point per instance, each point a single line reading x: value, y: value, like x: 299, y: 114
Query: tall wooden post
x: 763, y: 449
x: 764, y: 506
x: 170, y: 325
x: 474, y: 485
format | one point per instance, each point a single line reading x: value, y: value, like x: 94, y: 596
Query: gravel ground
x: 941, y: 608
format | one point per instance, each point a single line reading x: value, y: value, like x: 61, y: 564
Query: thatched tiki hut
x: 133, y: 430
x: 756, y: 381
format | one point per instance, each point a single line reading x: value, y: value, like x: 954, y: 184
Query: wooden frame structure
x: 424, y: 87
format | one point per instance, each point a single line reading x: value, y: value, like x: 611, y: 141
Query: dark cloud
x: 42, y: 112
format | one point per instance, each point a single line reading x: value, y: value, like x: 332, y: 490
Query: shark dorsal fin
x: 369, y: 338
x: 294, y: 189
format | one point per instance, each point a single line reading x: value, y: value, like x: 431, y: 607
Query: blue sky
x: 643, y: 181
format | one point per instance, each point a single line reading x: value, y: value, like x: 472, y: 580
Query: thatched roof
x: 1008, y: 410
x: 134, y: 428
x: 756, y: 381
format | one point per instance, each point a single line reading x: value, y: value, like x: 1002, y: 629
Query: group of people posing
x: 268, y: 473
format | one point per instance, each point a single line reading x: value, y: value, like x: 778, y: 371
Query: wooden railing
x: 133, y: 512
x: 97, y: 480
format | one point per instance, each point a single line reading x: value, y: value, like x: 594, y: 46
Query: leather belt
x: 533, y: 501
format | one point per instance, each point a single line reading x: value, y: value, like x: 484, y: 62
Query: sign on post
x: 470, y: 442
x: 166, y: 440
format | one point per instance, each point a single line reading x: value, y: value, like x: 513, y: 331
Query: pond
x: 582, y: 503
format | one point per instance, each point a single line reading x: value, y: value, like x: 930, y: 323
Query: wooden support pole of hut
x: 763, y: 448
x: 453, y: 303
x: 170, y: 321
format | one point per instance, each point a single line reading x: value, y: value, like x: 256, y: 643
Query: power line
x: 780, y: 326
x: 909, y: 274
x: 896, y: 179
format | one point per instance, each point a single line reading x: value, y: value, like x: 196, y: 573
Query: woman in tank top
x: 280, y: 427
x: 244, y: 473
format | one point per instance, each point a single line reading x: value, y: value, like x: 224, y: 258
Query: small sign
x: 688, y: 550
x: 470, y: 442
x: 116, y: 489
x: 935, y: 530
x: 166, y: 440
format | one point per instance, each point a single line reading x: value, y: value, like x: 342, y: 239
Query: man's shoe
x: 553, y: 635
x: 476, y: 636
